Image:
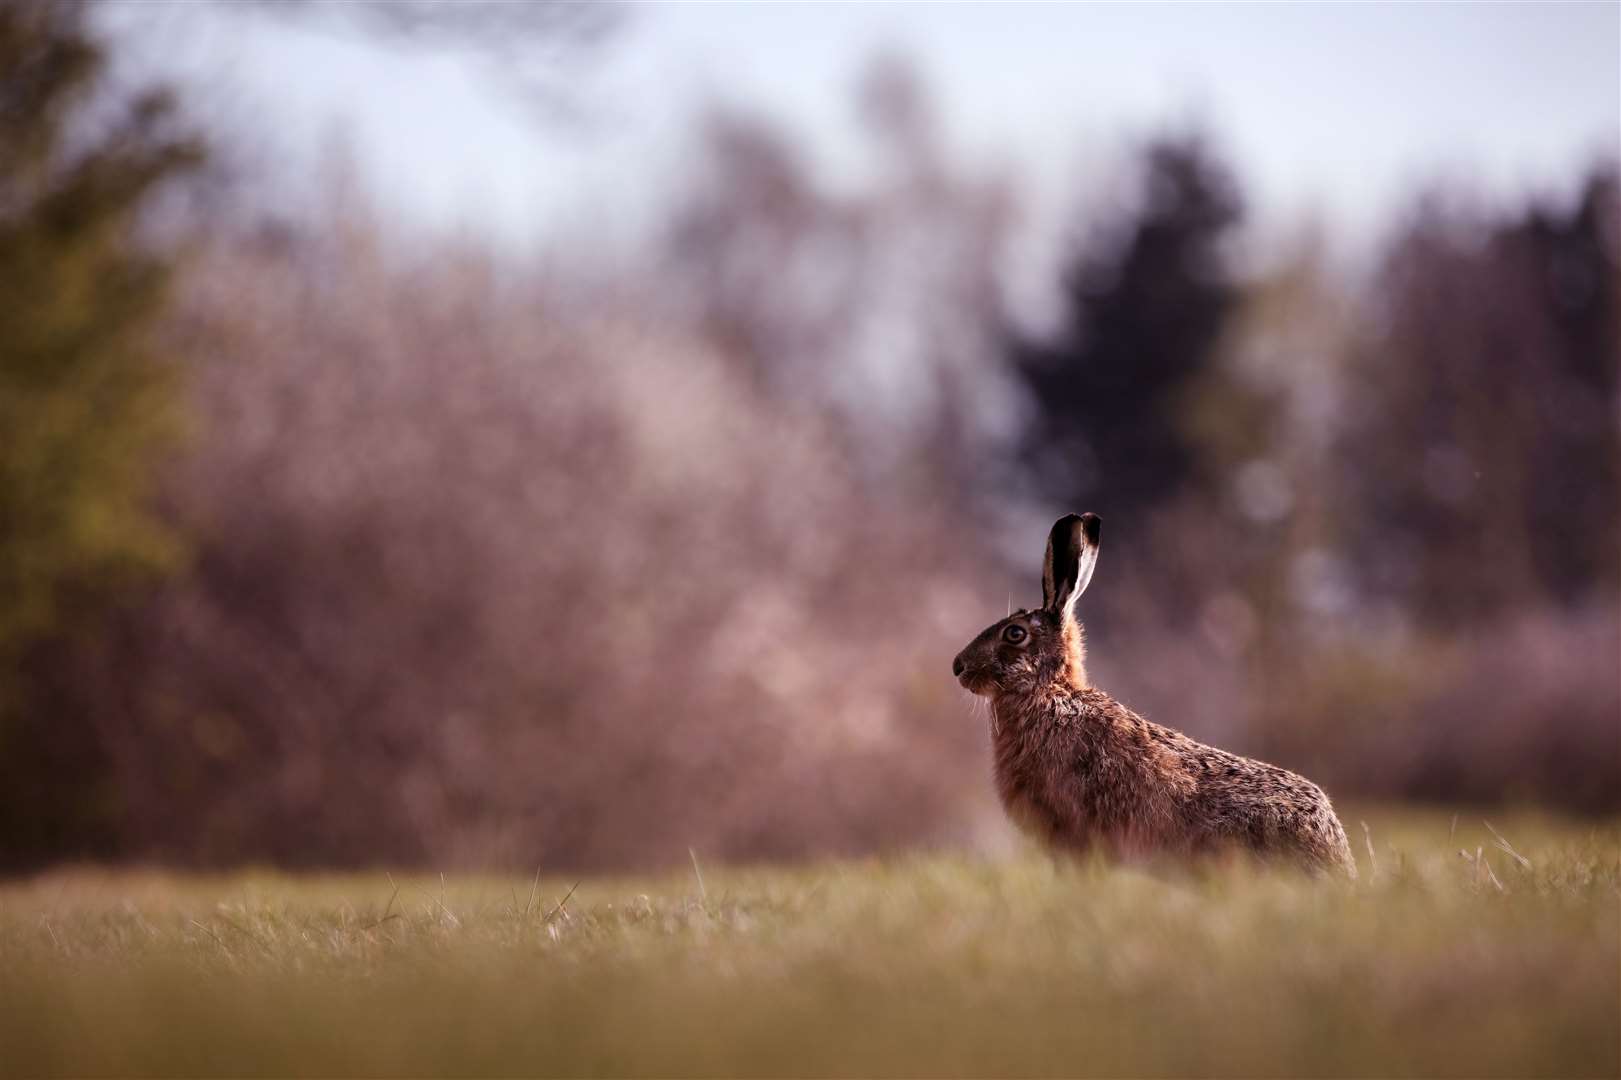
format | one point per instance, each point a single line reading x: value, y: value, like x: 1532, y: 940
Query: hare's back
x: 1267, y: 809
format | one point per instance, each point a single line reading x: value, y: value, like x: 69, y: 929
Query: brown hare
x: 1078, y: 769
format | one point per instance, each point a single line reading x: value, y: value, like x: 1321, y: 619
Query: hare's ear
x: 1072, y: 553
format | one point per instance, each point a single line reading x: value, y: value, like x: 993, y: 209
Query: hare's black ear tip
x: 1089, y: 524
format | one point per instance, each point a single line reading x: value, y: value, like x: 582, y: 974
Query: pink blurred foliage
x: 480, y: 576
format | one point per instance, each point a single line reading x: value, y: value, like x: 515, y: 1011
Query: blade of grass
x: 703, y: 893
x: 552, y: 914
x: 1506, y: 847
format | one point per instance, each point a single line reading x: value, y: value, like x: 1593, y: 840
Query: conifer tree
x: 1143, y: 317
x: 88, y: 404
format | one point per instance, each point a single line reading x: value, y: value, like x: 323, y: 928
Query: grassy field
x: 1434, y: 965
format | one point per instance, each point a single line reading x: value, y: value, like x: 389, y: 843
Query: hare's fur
x: 1079, y: 770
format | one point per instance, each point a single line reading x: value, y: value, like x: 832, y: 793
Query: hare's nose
x: 956, y: 667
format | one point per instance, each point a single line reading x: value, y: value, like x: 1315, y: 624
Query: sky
x: 1340, y: 111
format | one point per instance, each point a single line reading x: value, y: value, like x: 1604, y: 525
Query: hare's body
x: 1079, y: 770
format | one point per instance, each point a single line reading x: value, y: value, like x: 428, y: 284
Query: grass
x: 920, y: 965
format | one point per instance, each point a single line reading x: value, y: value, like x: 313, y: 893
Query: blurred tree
x: 1482, y: 455
x: 534, y: 51
x: 1570, y: 265
x: 1145, y: 310
x: 878, y: 304
x: 86, y: 404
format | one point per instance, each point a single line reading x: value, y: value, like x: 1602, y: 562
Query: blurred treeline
x: 318, y: 547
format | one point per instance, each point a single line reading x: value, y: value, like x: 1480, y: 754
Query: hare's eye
x: 1015, y: 634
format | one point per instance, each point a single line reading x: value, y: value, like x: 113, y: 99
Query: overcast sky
x: 1341, y: 109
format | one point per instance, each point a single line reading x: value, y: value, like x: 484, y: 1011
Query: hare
x: 1078, y: 769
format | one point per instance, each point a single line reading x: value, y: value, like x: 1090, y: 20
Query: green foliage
x: 1432, y: 964
x: 86, y: 404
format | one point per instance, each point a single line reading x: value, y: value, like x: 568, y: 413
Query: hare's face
x: 1032, y: 650
x: 1020, y: 654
